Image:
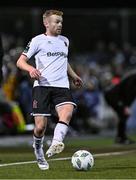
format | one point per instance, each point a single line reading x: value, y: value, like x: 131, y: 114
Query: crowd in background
x: 106, y: 62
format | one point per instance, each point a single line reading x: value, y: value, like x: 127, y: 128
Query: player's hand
x: 78, y: 82
x: 34, y: 73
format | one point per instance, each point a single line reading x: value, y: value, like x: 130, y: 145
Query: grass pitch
x: 109, y: 163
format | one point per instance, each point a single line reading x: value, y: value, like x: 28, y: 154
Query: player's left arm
x: 75, y: 78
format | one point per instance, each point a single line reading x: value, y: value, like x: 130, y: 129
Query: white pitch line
x: 68, y: 158
x: 17, y: 163
x: 114, y: 153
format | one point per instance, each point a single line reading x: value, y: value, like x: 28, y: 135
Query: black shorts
x: 45, y: 98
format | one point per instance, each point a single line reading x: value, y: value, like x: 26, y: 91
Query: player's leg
x: 40, y: 114
x: 38, y: 138
x: 64, y: 113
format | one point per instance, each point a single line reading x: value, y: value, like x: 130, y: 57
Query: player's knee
x: 40, y: 129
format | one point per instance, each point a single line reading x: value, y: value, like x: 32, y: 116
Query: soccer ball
x: 82, y: 160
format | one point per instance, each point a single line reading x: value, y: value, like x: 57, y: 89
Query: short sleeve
x: 31, y: 49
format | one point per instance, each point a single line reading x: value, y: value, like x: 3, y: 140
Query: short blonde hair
x: 50, y: 12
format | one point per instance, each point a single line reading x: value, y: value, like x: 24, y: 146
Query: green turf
x: 105, y: 167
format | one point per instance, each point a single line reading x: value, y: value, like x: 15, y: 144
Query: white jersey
x: 50, y: 55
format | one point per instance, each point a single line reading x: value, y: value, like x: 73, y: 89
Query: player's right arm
x: 23, y: 65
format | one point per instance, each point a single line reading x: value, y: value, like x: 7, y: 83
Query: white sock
x: 38, y: 142
x: 60, y: 132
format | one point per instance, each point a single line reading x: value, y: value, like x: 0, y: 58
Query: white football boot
x: 55, y: 149
x: 41, y: 161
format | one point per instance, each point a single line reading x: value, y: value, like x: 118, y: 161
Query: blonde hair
x: 50, y: 12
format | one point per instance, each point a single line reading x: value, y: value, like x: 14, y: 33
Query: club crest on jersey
x: 35, y: 104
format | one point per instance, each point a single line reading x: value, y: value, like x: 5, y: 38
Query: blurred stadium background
x: 103, y: 46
